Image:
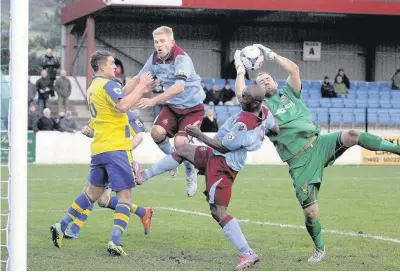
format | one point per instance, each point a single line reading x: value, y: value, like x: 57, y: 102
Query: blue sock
x: 112, y: 204
x: 189, y: 168
x: 121, y: 219
x: 138, y: 210
x: 165, y: 146
x: 80, y: 220
x: 78, y: 207
x: 165, y: 164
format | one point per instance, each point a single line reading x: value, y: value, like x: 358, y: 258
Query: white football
x: 252, y: 57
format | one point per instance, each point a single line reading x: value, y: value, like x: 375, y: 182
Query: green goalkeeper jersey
x: 294, y: 120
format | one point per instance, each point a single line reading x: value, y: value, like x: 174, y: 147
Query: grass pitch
x: 359, y: 209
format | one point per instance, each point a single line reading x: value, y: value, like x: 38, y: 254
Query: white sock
x: 234, y: 234
x: 165, y: 146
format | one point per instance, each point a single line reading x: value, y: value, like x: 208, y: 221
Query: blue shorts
x: 113, y: 169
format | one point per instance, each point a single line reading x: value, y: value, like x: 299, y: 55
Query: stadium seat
x: 395, y: 104
x: 347, y: 116
x: 373, y: 103
x: 221, y: 117
x: 325, y: 102
x: 383, y: 117
x: 374, y: 94
x: 314, y: 94
x: 373, y: 85
x: 394, y: 117
x: 305, y: 84
x: 313, y: 103
x: 234, y: 109
x: 337, y: 102
x: 351, y: 95
x: 353, y: 85
x: 372, y: 116
x: 362, y: 85
x: 220, y: 109
x: 350, y: 103
x: 359, y: 116
x: 335, y: 116
x: 315, y: 84
x: 322, y: 115
x: 385, y: 85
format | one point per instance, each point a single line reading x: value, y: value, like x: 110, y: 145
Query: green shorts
x: 308, y: 169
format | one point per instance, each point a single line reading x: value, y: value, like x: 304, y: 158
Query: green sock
x: 315, y: 230
x: 375, y: 143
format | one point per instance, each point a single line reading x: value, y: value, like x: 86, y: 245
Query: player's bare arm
x: 240, y: 84
x: 293, y: 70
x: 131, y: 99
x: 211, y: 142
x: 173, y: 91
x: 88, y: 131
x: 131, y: 85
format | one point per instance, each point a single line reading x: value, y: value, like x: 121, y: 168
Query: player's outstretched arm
x: 294, y: 72
x: 131, y: 85
x: 240, y: 83
x: 211, y: 142
x: 131, y: 99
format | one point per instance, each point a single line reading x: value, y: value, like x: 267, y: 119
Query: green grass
x: 353, y: 199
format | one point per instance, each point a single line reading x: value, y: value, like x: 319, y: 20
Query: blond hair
x: 164, y: 30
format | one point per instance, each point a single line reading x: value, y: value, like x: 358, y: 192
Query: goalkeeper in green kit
x: 299, y: 142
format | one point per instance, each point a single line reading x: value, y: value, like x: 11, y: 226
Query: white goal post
x: 18, y: 114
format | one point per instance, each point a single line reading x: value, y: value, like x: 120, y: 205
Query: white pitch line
x: 338, y: 232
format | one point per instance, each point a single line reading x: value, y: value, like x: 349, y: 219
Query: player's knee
x: 350, y: 137
x: 311, y: 214
x: 158, y: 133
x: 218, y: 212
x: 180, y: 141
x: 183, y: 151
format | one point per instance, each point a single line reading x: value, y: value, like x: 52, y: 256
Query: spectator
x: 327, y: 89
x: 396, y: 80
x: 119, y: 72
x: 213, y: 97
x: 203, y: 85
x: 31, y: 92
x: 227, y: 94
x: 345, y: 79
x: 45, y: 122
x: 340, y: 88
x: 43, y: 86
x: 32, y: 116
x: 209, y: 123
x: 63, y: 90
x: 61, y: 116
x: 50, y: 63
x: 68, y: 123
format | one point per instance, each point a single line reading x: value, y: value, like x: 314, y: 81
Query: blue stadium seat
x: 337, y: 102
x: 373, y: 85
x: 335, y: 116
x: 395, y: 95
x: 351, y: 95
x: 249, y: 82
x: 322, y: 115
x: 314, y: 94
x: 314, y: 114
x: 234, y: 109
x: 347, y: 116
x: 232, y: 82
x: 387, y: 89
x: 350, y: 103
x: 206, y: 107
x: 362, y: 102
x: 383, y: 117
x: 359, y: 116
x: 372, y: 116
x: 353, y: 85
x: 315, y: 84
x: 221, y: 117
x: 325, y: 102
x: 385, y: 105
x: 385, y: 85
x: 373, y: 94
x: 394, y: 116
x: 373, y: 103
x: 395, y: 104
x: 313, y: 103
x: 385, y: 94
x: 305, y: 84
x: 220, y: 109
x: 362, y: 85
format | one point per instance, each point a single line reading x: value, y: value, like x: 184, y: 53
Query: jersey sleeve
x: 114, y: 92
x: 135, y: 126
x: 288, y: 90
x: 183, y: 68
x: 147, y: 67
x: 236, y: 138
x: 90, y: 123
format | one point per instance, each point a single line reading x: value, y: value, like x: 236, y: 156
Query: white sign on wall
x: 312, y: 51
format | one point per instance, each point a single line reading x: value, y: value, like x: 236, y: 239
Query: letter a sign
x: 312, y: 51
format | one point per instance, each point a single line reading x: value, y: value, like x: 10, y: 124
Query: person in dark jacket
x: 68, y: 123
x: 43, y: 87
x: 63, y: 90
x: 209, y: 122
x: 45, y: 122
x: 213, y: 96
x: 327, y: 89
x: 50, y: 63
x: 227, y: 93
x: 33, y: 116
x: 119, y: 72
